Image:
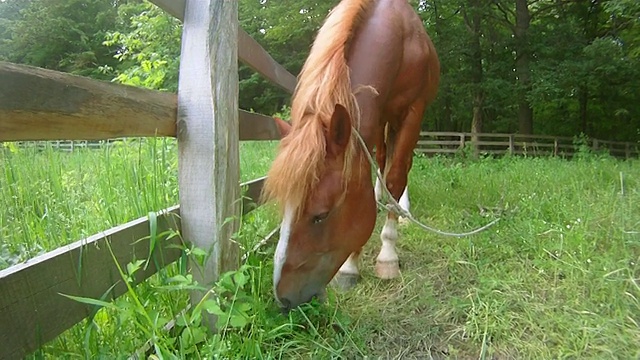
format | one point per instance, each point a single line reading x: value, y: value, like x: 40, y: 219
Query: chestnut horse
x: 372, y: 69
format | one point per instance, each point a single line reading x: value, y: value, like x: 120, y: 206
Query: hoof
x: 403, y: 221
x: 387, y: 269
x: 345, y: 281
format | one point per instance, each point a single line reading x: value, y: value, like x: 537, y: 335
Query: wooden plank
x: 566, y: 146
x: 254, y: 56
x: 39, y: 104
x: 621, y: 143
x: 542, y: 137
x: 208, y: 158
x: 437, y: 151
x: 495, y: 152
x: 32, y: 311
x: 443, y: 133
x: 491, y: 143
x: 536, y: 145
x: 438, y: 142
x: 174, y: 8
x: 257, y: 127
x: 31, y: 114
x: 252, y: 190
x: 249, y: 51
x: 490, y: 135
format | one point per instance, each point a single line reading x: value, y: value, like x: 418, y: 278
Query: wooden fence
x: 517, y: 144
x: 37, y: 104
x: 68, y: 145
x: 433, y: 142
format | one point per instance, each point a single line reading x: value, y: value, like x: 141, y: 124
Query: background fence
x: 433, y: 142
x: 518, y: 144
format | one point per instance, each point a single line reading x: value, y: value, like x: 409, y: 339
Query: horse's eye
x: 319, y: 218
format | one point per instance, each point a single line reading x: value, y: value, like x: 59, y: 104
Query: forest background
x: 553, y: 67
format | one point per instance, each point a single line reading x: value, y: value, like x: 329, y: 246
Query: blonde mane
x: 323, y: 82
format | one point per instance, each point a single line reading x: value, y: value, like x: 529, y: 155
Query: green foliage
x: 584, y: 148
x: 286, y: 30
x: 149, y: 50
x: 60, y: 35
x: 49, y: 197
x: 583, y: 57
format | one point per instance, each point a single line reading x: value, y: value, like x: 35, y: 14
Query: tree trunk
x: 473, y: 24
x: 583, y: 96
x: 523, y: 57
x: 447, y: 123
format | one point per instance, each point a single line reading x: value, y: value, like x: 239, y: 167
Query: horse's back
x: 393, y: 53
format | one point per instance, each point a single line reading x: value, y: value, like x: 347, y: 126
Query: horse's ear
x: 339, y: 131
x: 283, y: 127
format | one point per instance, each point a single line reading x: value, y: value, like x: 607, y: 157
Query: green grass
x: 557, y: 277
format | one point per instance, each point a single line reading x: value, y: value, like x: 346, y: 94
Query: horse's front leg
x: 348, y: 275
x: 404, y: 202
x: 404, y: 141
x: 387, y: 264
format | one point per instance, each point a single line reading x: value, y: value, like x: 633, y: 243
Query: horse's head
x: 328, y: 204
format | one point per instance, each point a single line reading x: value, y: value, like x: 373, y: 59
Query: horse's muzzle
x: 288, y: 302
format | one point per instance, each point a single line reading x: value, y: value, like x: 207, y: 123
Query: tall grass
x: 49, y: 198
x: 557, y: 277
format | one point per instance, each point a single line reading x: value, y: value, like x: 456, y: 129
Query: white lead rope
x: 395, y: 207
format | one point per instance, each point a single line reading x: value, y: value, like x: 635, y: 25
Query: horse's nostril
x: 285, y: 304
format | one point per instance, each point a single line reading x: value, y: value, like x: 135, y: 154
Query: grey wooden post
x: 511, y: 144
x: 627, y: 151
x: 207, y: 132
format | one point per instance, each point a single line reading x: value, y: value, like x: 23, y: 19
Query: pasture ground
x: 557, y: 277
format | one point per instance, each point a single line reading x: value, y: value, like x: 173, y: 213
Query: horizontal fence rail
x: 249, y: 51
x: 49, y: 105
x: 32, y: 307
x: 255, y: 127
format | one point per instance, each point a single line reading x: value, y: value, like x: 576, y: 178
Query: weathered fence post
x: 627, y: 150
x: 595, y: 144
x: 208, y: 135
x: 555, y: 146
x: 511, y: 144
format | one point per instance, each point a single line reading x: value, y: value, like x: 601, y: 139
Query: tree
x: 472, y: 13
x: 63, y: 35
x: 573, y: 65
x: 148, y: 48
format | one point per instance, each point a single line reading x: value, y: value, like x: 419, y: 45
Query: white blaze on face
x: 281, y: 249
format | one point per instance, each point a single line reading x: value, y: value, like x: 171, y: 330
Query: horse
x: 372, y: 69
